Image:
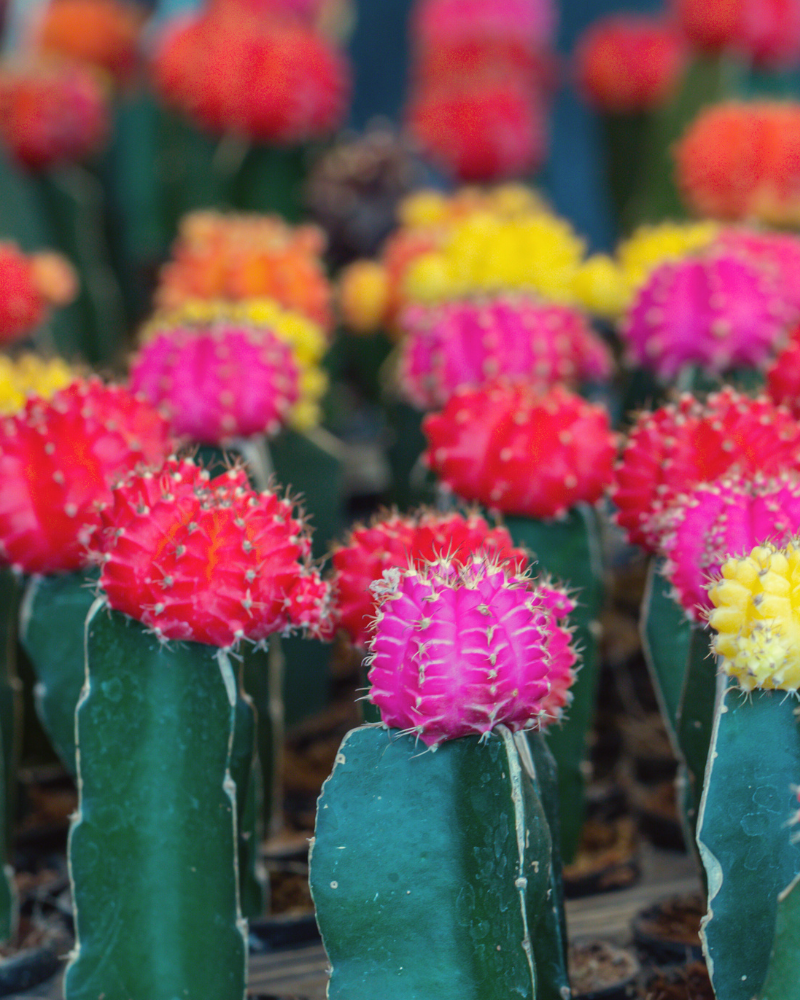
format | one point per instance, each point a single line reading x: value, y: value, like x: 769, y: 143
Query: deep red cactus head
x: 689, y: 442
x: 218, y: 381
x: 209, y: 560
x: 521, y: 451
x: 491, y: 130
x: 22, y: 306
x: 460, y: 650
x: 51, y: 113
x: 783, y: 375
x: 765, y: 31
x: 396, y: 541
x: 58, y: 461
x: 274, y: 80
x: 628, y: 62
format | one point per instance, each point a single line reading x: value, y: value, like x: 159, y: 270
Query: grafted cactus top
x: 397, y: 541
x: 457, y: 651
x: 756, y: 616
x: 209, y: 560
x: 58, y: 461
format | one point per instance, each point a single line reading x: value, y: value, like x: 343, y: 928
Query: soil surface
x: 675, y: 919
x: 691, y: 983
x: 597, y: 965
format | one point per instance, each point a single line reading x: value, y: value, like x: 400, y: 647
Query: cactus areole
x: 209, y: 560
x: 460, y: 650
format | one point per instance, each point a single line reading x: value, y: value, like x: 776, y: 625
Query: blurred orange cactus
x: 236, y: 257
x: 740, y: 161
x: 103, y: 33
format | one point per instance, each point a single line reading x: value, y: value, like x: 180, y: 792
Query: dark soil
x: 675, y: 919
x: 606, y: 858
x: 691, y: 983
x: 597, y: 965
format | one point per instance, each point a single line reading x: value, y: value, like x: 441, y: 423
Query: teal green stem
x: 550, y: 925
x: 430, y: 870
x: 52, y: 618
x: 10, y: 735
x: 569, y: 550
x: 783, y: 982
x: 153, y: 848
x: 666, y: 637
x: 745, y: 839
x: 695, y: 720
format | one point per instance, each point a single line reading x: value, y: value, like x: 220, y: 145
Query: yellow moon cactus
x: 756, y: 616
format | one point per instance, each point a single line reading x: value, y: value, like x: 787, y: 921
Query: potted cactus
x: 435, y: 865
x: 686, y: 488
x: 231, y: 376
x: 749, y: 801
x: 192, y: 569
x: 59, y: 458
x: 543, y: 459
x: 394, y: 541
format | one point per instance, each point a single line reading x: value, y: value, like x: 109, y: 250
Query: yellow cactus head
x: 30, y: 375
x: 756, y: 616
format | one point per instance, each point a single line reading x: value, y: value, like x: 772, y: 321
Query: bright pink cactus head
x: 729, y: 517
x: 777, y: 254
x: 209, y: 560
x: 520, y: 451
x: 52, y: 113
x: 458, y: 651
x: 467, y: 343
x: 58, y: 461
x: 218, y: 381
x: 783, y: 375
x: 486, y: 130
x: 717, y: 312
x: 629, y: 62
x: 397, y: 541
x: 687, y: 442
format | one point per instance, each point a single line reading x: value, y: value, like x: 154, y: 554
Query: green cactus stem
x: 429, y: 870
x: 51, y: 631
x: 569, y: 550
x: 666, y: 636
x: 152, y: 850
x: 246, y: 773
x: 10, y: 707
x: 695, y: 721
x: 550, y: 932
x: 742, y: 833
x: 52, y: 618
x: 783, y: 982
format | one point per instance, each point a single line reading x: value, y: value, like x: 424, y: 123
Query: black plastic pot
x: 27, y: 969
x: 660, y: 949
x: 280, y: 933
